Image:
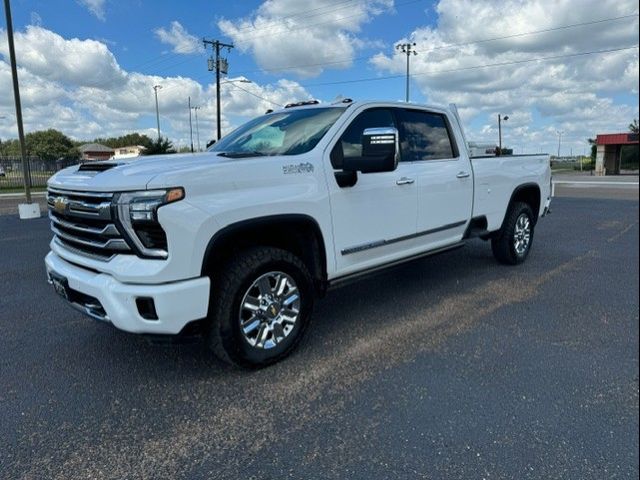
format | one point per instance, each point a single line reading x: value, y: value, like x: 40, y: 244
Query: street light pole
x: 500, y: 120
x: 406, y: 48
x: 16, y: 94
x: 196, y: 108
x: 155, y: 89
x: 559, y: 132
x: 190, y: 125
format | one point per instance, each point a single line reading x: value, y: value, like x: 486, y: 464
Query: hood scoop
x: 96, y: 166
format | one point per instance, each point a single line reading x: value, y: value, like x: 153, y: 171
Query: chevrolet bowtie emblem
x: 60, y: 204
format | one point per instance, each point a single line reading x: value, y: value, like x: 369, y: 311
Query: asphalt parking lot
x: 452, y: 367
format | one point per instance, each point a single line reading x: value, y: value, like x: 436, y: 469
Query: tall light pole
x: 559, y: 132
x: 155, y: 89
x: 16, y: 95
x: 195, y: 109
x: 407, y: 49
x: 190, y: 125
x: 500, y: 120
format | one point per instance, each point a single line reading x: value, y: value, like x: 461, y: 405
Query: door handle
x: 405, y: 181
x: 463, y: 174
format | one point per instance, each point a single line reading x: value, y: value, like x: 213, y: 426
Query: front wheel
x: 513, y: 243
x: 261, y: 306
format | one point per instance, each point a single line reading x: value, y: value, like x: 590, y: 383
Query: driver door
x: 373, y: 218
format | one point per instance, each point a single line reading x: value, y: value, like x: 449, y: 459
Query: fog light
x: 146, y: 308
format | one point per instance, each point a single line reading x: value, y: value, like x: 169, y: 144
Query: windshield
x: 282, y: 133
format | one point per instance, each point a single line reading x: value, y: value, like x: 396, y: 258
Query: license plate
x: 60, y: 285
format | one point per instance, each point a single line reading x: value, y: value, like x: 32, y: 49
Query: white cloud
x: 79, y: 88
x: 49, y: 55
x: 282, y: 33
x: 178, y: 37
x: 571, y: 94
x: 96, y: 7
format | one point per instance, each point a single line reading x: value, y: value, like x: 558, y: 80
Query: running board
x: 352, y: 277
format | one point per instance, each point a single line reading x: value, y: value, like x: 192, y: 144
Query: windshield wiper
x: 241, y: 154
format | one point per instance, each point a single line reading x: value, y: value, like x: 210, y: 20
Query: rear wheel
x: 513, y: 242
x: 261, y: 305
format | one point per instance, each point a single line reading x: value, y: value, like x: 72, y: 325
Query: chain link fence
x: 38, y: 172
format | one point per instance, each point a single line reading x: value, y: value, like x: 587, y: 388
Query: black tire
x: 503, y: 245
x: 229, y: 287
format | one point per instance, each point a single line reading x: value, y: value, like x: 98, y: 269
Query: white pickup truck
x: 242, y: 239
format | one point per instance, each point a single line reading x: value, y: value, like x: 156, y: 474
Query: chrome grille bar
x: 109, y: 230
x: 113, y: 244
x: 74, y: 193
x: 83, y: 223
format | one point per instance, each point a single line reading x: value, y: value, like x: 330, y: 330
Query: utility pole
x: 155, y: 89
x: 407, y: 49
x: 26, y: 177
x: 219, y: 68
x: 559, y: 132
x: 500, y: 120
x: 190, y: 125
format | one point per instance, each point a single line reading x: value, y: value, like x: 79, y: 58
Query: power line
x: 546, y: 30
x: 475, y: 67
x: 258, y: 96
x: 446, y: 46
x: 303, y: 14
x: 362, y: 58
x: 304, y: 27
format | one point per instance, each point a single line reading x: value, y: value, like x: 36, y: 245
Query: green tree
x: 594, y: 149
x: 633, y: 126
x: 49, y: 144
x: 160, y: 146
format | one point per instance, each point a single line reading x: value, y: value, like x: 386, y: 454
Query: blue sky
x: 87, y: 67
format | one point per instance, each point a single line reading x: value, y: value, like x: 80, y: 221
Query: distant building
x: 130, y: 151
x: 95, y: 151
x: 477, y: 149
x: 609, y: 153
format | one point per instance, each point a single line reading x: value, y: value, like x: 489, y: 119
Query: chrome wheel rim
x: 269, y: 310
x: 522, y: 234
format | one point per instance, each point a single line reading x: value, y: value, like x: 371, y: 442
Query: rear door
x: 443, y: 175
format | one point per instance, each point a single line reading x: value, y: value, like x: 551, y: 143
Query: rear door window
x: 424, y: 136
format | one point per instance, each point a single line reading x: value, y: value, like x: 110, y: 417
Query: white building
x: 128, y: 152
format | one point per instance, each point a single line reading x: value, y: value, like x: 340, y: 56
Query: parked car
x: 2, y: 172
x: 244, y: 238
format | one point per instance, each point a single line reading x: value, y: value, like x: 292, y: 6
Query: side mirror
x: 379, y: 152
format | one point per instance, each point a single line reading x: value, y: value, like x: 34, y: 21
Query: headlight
x: 137, y: 214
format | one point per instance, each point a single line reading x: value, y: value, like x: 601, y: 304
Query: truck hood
x: 132, y: 173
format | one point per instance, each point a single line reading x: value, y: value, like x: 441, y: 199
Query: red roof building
x: 610, y: 159
x: 617, y: 139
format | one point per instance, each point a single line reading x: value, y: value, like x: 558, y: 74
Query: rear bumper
x: 102, y: 297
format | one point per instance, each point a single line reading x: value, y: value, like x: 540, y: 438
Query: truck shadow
x: 346, y: 313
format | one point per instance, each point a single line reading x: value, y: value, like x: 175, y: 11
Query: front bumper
x: 102, y: 297
x: 547, y: 207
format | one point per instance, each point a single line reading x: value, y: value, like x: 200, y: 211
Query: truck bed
x: 496, y: 178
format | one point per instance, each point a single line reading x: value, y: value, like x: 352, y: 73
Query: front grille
x: 83, y: 223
